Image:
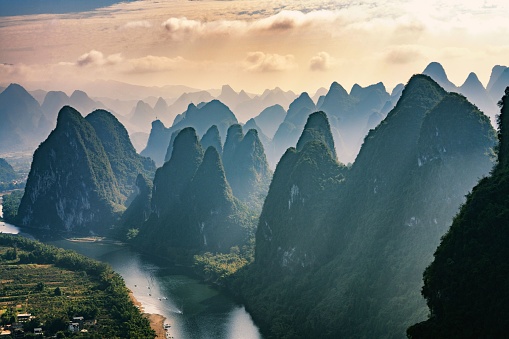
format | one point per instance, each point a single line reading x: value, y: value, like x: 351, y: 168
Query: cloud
x: 321, y: 62
x: 138, y: 24
x: 285, y: 21
x: 96, y: 58
x: 150, y: 64
x: 403, y: 54
x: 261, y: 62
x: 115, y: 62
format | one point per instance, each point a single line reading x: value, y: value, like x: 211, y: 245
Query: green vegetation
x: 246, y: 167
x: 193, y: 209
x: 71, y: 185
x: 7, y: 173
x: 340, y: 258
x: 125, y: 162
x: 10, y: 205
x: 55, y: 285
x: 466, y: 285
x: 219, y: 268
x: 82, y: 174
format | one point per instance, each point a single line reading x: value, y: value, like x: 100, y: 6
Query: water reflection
x: 194, y: 309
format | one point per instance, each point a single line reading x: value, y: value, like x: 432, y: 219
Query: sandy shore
x: 157, y: 324
x: 156, y: 320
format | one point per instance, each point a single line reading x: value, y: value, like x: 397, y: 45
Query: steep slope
x: 290, y: 129
x: 465, y: 284
x: 317, y: 128
x: 251, y: 124
x: 7, y: 173
x: 173, y: 177
x: 349, y: 114
x: 138, y: 211
x: 193, y: 208
x: 270, y: 118
x: 213, y: 215
x: 125, y: 162
x: 53, y: 102
x: 71, y: 186
x: 212, y: 138
x: 157, y: 143
x: 380, y: 228
x: 142, y: 115
x: 22, y: 125
x: 437, y: 72
x: 83, y: 103
x: 499, y: 86
x: 477, y: 94
x: 291, y: 234
x: 246, y: 166
x: 496, y: 71
x: 169, y: 151
x: 161, y: 108
x: 200, y: 118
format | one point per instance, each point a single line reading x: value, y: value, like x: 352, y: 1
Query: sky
x: 252, y: 45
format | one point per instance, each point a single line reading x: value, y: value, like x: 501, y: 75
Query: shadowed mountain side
x: 200, y: 118
x: 462, y: 291
x: 125, y: 162
x: 212, y: 138
x: 71, y: 185
x: 376, y: 231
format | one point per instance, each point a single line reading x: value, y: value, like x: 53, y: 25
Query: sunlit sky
x: 253, y: 45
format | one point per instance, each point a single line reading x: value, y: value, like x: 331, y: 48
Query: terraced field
x: 56, y: 285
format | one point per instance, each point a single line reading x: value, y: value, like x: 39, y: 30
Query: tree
x: 39, y: 287
x: 57, y: 292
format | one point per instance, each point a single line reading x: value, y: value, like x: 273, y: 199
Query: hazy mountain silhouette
x: 290, y: 129
x: 251, y: 108
x: 500, y: 84
x: 201, y: 119
x: 7, y: 173
x: 269, y: 119
x: 83, y: 103
x: 212, y: 138
x: 437, y: 72
x: 53, y: 102
x: 142, y: 115
x: 23, y: 125
x: 477, y: 94
x: 246, y: 166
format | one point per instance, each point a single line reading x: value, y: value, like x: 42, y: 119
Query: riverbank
x: 156, y: 320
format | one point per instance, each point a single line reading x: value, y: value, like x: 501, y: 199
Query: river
x: 192, y: 308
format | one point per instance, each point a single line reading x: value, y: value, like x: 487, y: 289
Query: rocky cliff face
x: 125, y: 162
x: 291, y: 233
x: 462, y: 291
x: 246, y: 166
x: 375, y: 232
x: 193, y: 208
x: 71, y: 185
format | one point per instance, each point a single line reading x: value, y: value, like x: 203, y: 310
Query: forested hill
x: 466, y: 285
x: 62, y: 284
x: 381, y: 227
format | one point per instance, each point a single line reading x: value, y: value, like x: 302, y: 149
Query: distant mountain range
x: 351, y: 115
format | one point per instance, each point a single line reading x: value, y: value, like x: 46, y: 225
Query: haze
x: 251, y: 45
